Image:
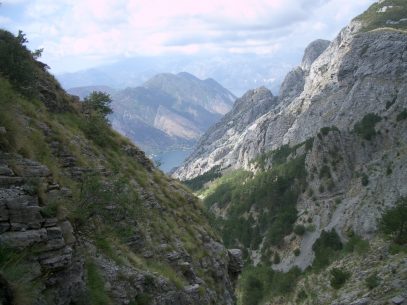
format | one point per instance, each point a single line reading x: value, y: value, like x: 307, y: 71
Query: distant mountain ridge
x: 237, y: 72
x: 168, y: 112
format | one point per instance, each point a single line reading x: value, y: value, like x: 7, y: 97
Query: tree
x: 98, y: 103
x: 17, y: 63
x: 394, y: 221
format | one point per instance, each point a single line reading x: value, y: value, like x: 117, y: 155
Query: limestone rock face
x: 312, y: 52
x: 358, y: 73
x: 218, y: 144
x: 23, y: 226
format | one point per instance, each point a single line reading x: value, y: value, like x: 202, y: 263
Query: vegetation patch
x: 326, y: 248
x: 96, y: 285
x: 378, y: 17
x: 338, y: 277
x: 394, y: 222
x: 366, y: 127
x: 372, y: 281
x: 273, y: 193
x: 260, y: 283
x: 198, y: 182
x: 402, y: 115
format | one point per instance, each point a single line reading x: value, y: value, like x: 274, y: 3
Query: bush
x: 299, y: 230
x: 365, y: 179
x: 402, y: 115
x: 198, y: 182
x: 259, y: 283
x: 325, y: 172
x: 366, y: 127
x: 338, y: 278
x: 297, y: 252
x: 326, y: 247
x: 97, y: 129
x: 357, y: 244
x: 96, y: 285
x: 301, y: 296
x: 142, y: 299
x: 372, y: 281
x: 17, y: 63
x: 394, y: 222
x: 98, y: 102
x: 253, y: 291
x: 325, y: 130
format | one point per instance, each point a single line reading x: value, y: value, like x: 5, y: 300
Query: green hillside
x: 125, y: 213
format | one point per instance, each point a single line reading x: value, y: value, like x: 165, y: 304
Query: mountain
x: 168, y: 113
x: 237, y: 72
x: 85, y: 217
x: 306, y: 183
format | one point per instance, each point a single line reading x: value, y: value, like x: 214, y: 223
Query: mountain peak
x: 187, y: 75
x: 312, y: 52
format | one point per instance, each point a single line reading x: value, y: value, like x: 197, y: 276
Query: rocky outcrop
x: 236, y: 263
x: 312, y: 52
x: 25, y: 224
x: 220, y: 140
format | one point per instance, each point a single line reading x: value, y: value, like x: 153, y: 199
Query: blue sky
x: 77, y: 35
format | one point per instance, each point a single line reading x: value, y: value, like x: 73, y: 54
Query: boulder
x: 235, y: 261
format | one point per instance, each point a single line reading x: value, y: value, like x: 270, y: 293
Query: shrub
x: 17, y: 63
x: 325, y: 130
x: 253, y: 291
x: 299, y: 230
x: 357, y: 244
x: 301, y: 296
x: 402, y: 115
x: 372, y: 281
x: 365, y: 179
x: 96, y: 285
x: 297, y: 252
x: 366, y: 127
x: 98, y: 102
x: 308, y: 144
x: 338, y: 277
x: 198, y: 182
x: 142, y: 299
x: 276, y: 258
x: 394, y: 221
x: 326, y: 248
x: 389, y: 171
x: 321, y: 188
x: 311, y: 227
x: 325, y: 172
x: 280, y: 155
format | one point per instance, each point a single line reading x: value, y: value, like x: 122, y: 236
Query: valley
x: 292, y: 198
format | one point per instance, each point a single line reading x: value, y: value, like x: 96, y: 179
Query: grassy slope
x: 180, y: 217
x: 373, y: 19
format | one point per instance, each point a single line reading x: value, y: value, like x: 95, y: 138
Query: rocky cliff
x: 85, y: 217
x: 358, y: 73
x: 301, y: 188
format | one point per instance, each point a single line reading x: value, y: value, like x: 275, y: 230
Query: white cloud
x: 105, y: 29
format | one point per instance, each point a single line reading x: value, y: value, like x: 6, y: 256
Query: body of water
x: 172, y: 159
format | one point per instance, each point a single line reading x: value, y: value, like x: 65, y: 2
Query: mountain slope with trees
x: 85, y: 217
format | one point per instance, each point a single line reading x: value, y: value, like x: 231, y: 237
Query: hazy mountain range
x: 238, y: 73
x: 168, y: 113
